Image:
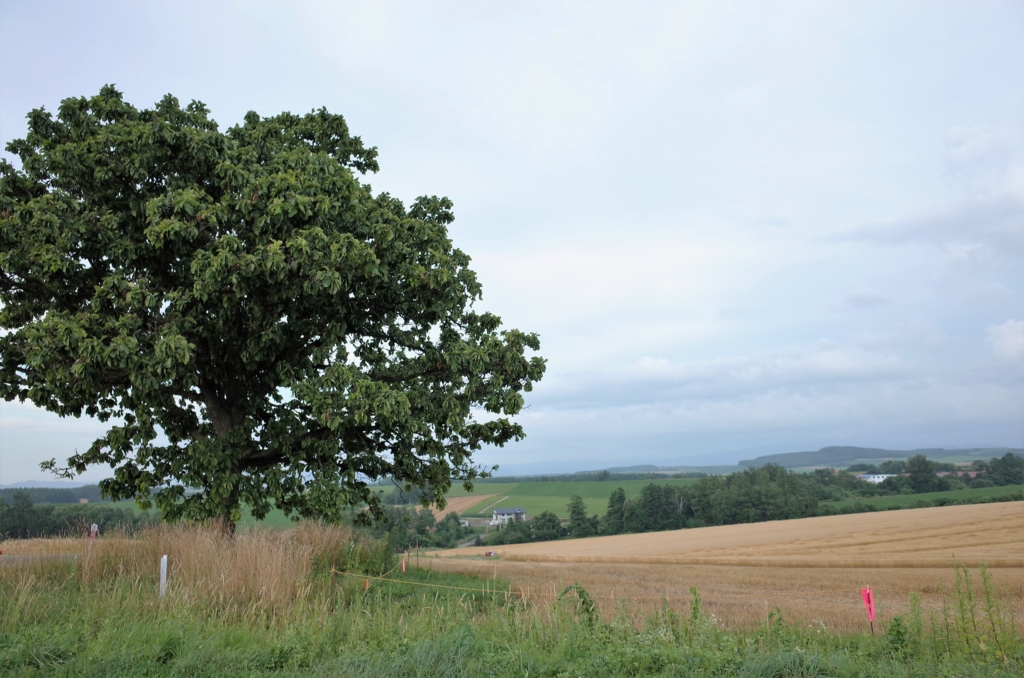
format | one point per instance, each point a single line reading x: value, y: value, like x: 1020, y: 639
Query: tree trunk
x: 225, y: 524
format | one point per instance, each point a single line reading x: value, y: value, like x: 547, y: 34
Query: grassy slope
x: 908, y: 500
x: 547, y: 496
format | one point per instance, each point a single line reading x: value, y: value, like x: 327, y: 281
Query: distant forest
x: 20, y: 518
x: 54, y: 495
x: 841, y: 456
x: 763, y: 493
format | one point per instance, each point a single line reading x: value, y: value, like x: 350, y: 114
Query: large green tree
x: 243, y: 293
x: 922, y: 475
x: 579, y: 524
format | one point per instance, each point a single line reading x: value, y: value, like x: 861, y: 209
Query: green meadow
x: 276, y: 519
x: 536, y: 497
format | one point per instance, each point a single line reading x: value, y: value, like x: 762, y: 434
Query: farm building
x: 876, y: 477
x: 504, y: 516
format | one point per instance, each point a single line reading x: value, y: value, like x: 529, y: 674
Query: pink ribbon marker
x: 869, y: 603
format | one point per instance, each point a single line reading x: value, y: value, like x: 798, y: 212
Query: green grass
x: 909, y: 500
x: 537, y: 497
x: 276, y: 519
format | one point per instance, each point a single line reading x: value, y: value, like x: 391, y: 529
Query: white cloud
x: 987, y: 160
x: 1007, y: 339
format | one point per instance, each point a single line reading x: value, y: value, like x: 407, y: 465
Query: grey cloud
x: 653, y: 381
x: 987, y: 164
x: 996, y: 224
x: 866, y: 299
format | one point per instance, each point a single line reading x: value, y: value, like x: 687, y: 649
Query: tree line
x: 407, y: 528
x: 771, y: 492
x: 20, y: 518
x: 920, y: 474
x: 763, y: 493
x: 55, y: 495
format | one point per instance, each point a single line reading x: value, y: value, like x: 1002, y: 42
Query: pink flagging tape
x: 869, y: 602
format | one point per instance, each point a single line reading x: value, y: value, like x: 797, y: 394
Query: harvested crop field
x: 811, y: 569
x: 458, y: 504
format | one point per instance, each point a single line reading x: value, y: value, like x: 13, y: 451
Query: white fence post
x: 163, y: 576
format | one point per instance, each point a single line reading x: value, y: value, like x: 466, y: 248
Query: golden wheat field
x: 811, y: 569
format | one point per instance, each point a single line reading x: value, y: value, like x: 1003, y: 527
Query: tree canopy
x: 250, y: 318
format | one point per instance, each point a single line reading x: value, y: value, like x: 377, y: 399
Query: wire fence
x: 665, y: 596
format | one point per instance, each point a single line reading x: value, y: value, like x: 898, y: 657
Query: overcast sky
x: 739, y: 228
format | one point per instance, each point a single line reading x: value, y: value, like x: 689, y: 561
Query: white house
x: 505, y: 515
x: 876, y: 477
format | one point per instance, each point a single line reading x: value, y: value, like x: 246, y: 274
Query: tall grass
x: 267, y: 604
x: 259, y: 575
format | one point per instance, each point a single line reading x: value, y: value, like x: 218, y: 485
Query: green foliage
x: 843, y: 482
x: 399, y: 496
x: 55, y: 495
x: 449, y: 532
x: 983, y: 629
x: 404, y: 529
x: 765, y: 493
x: 518, y: 532
x: 612, y: 522
x: 1006, y: 470
x: 893, y: 466
x: 580, y: 525
x: 546, y: 527
x: 897, y: 485
x: 245, y: 294
x: 21, y: 519
x: 922, y: 476
x: 537, y: 497
x: 424, y: 522
x: 975, y: 495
